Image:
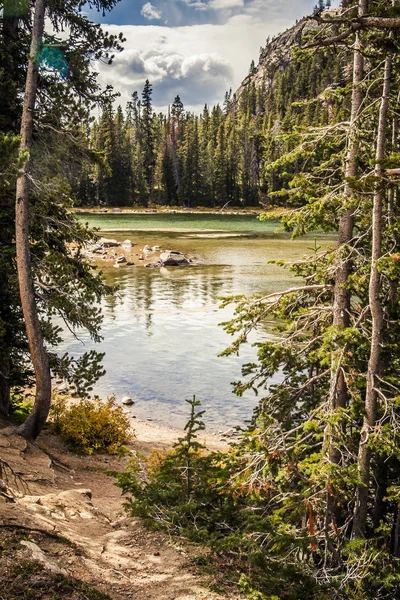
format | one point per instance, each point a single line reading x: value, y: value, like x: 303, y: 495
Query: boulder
x: 37, y: 555
x: 106, y: 243
x: 120, y: 260
x: 154, y: 264
x: 156, y: 248
x: 127, y: 244
x: 147, y: 249
x: 173, y: 259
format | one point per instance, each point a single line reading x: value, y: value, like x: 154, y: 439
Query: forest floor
x: 65, y: 533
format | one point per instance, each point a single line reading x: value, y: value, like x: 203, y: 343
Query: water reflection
x: 161, y: 335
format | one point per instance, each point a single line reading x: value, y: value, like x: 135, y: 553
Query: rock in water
x: 127, y: 401
x: 174, y: 259
x: 105, y: 243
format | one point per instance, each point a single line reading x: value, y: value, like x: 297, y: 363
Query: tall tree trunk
x: 364, y: 453
x: 38, y: 416
x: 341, y: 302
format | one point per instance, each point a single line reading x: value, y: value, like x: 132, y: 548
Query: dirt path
x: 73, y: 497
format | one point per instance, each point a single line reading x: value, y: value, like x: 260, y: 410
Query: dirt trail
x: 73, y: 497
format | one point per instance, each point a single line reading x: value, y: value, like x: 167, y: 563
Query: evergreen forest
x: 223, y: 156
x: 305, y: 504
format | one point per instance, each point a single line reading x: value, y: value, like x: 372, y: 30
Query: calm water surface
x: 162, y: 335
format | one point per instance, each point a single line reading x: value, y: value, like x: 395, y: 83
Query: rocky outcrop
x: 276, y: 55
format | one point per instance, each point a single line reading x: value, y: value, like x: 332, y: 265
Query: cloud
x: 198, y: 61
x: 150, y: 12
x: 196, y: 4
x: 226, y: 4
x: 196, y: 77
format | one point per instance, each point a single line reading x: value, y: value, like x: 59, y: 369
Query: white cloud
x: 199, y: 62
x: 150, y: 12
x: 226, y: 4
x: 197, y: 4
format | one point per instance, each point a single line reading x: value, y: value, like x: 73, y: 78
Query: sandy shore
x: 149, y: 435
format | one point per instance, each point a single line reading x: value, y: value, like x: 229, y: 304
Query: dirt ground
x: 59, y: 494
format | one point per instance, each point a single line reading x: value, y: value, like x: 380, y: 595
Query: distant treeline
x: 222, y: 156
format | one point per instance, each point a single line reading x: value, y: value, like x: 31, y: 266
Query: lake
x: 161, y: 334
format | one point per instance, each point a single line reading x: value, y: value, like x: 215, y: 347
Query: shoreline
x: 150, y: 435
x: 110, y: 211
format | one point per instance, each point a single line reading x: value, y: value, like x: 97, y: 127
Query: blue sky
x: 195, y: 48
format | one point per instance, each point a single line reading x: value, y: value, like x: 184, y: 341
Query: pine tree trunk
x: 32, y: 427
x: 364, y: 453
x: 341, y: 303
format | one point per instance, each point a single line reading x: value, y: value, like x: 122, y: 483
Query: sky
x: 198, y: 49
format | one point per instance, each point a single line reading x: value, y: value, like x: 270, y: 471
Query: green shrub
x: 198, y: 494
x: 20, y: 409
x: 180, y: 487
x: 94, y: 426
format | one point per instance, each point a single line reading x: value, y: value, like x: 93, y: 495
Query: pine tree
x: 147, y: 139
x: 48, y: 274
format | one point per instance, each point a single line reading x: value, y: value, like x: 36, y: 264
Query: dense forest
x: 306, y: 503
x: 220, y: 157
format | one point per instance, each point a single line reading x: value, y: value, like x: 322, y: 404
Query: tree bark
x: 32, y: 427
x: 371, y: 397
x: 338, y: 394
x: 341, y: 302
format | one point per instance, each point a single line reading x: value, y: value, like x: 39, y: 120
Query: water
x: 162, y: 336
